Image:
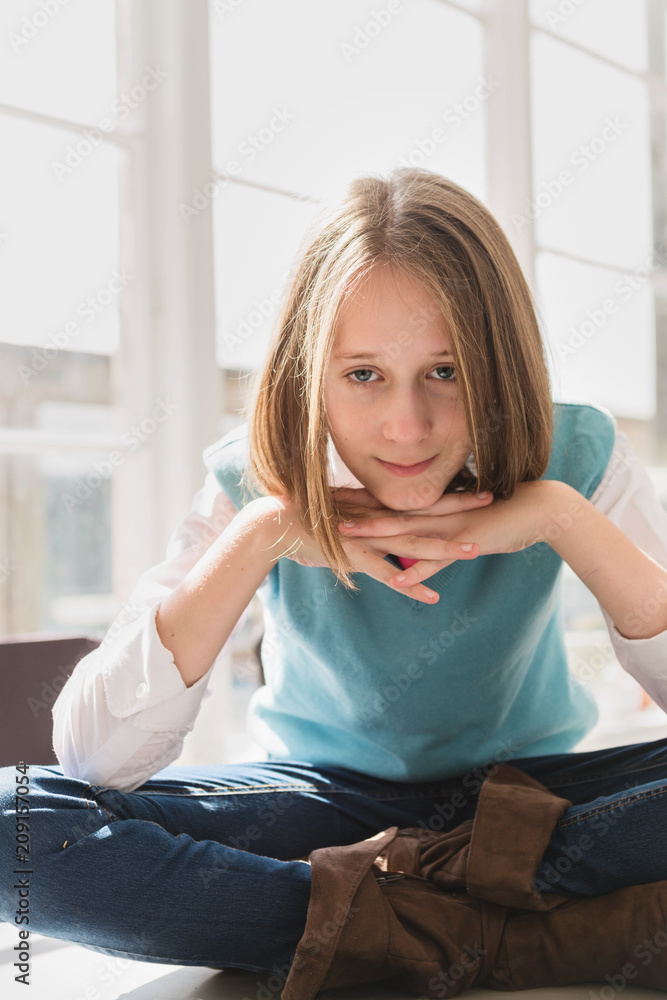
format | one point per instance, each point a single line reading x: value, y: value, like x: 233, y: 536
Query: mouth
x: 407, y: 470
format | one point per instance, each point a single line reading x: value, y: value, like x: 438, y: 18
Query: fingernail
x: 348, y: 524
x: 431, y: 594
x: 466, y: 547
x: 399, y: 579
x: 484, y: 494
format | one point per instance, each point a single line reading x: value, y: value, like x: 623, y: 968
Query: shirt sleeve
x: 125, y: 710
x: 627, y: 497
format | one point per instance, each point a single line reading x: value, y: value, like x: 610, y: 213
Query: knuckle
x: 411, y: 542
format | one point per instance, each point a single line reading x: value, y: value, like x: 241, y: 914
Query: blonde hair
x: 439, y: 233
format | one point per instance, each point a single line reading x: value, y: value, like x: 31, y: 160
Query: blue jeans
x: 198, y: 865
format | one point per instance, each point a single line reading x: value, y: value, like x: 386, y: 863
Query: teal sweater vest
x: 383, y: 684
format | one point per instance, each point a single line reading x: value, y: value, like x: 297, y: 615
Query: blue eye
x: 362, y: 371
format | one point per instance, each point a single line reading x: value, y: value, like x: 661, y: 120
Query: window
x: 59, y: 284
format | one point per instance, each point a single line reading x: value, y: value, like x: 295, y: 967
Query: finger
x: 450, y: 503
x: 459, y: 501
x: 433, y: 549
x: 412, y: 578
x: 380, y: 526
x: 425, y: 568
x: 366, y: 561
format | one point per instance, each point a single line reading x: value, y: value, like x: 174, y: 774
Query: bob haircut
x: 444, y: 237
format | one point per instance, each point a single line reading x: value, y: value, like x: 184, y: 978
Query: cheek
x: 457, y: 428
x: 344, y: 417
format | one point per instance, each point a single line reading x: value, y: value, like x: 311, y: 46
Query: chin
x: 415, y: 497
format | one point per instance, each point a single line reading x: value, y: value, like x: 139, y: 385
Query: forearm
x: 628, y: 583
x: 197, y: 618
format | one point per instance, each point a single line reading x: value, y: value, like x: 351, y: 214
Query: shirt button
x: 142, y: 690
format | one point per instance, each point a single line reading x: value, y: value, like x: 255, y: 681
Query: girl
x: 403, y: 498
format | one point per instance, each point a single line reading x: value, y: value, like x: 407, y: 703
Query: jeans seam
x: 600, y: 810
x: 261, y: 789
x: 96, y: 804
x: 562, y: 780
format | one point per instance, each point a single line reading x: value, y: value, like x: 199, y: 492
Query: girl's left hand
x: 501, y: 526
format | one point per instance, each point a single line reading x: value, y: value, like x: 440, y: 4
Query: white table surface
x: 62, y: 971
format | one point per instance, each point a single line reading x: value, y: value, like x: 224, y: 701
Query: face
x: 393, y: 403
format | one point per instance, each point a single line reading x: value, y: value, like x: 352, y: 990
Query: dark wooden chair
x: 33, y: 670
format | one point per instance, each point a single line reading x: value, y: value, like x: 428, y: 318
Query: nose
x: 407, y: 418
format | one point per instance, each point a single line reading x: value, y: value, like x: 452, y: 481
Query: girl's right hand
x: 288, y: 538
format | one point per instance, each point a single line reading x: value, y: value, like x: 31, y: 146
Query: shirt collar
x: 339, y: 474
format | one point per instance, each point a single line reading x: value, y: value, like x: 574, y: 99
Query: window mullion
x: 656, y: 13
x: 509, y: 180
x: 165, y: 370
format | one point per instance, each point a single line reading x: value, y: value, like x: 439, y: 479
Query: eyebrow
x: 375, y: 357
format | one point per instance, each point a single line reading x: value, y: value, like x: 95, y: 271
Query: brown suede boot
x: 436, y: 914
x: 366, y: 926
x: 550, y: 939
x: 618, y: 939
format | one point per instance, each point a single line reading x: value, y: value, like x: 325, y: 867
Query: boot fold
x: 513, y: 824
x: 368, y: 925
x: 494, y: 856
x: 336, y: 877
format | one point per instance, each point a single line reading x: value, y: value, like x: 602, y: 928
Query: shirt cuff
x: 648, y: 656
